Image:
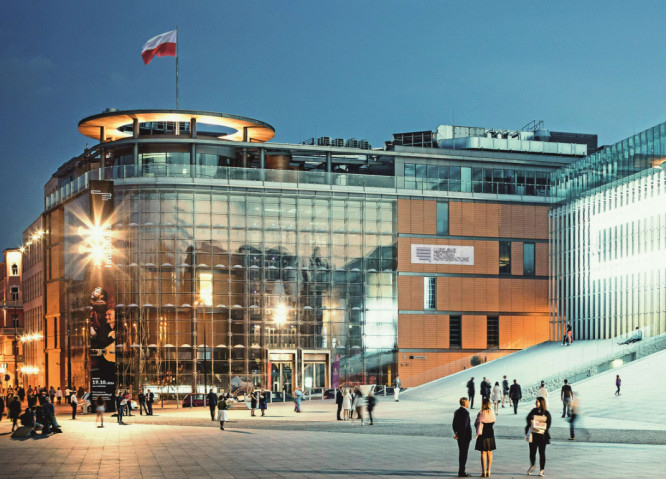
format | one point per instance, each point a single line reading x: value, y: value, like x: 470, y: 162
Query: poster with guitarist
x: 102, y: 299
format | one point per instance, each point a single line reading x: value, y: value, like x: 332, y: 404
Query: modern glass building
x: 607, y: 241
x: 241, y: 261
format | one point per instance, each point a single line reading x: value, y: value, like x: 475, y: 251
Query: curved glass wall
x: 300, y: 273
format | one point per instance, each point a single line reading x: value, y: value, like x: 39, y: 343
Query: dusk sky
x: 343, y: 69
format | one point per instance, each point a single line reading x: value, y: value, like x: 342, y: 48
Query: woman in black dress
x: 485, y: 436
x: 538, y: 425
x: 253, y: 401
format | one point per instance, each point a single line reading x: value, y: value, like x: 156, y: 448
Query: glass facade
x: 477, y: 180
x: 288, y: 283
x: 607, y: 264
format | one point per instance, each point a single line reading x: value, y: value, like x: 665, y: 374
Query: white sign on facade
x: 442, y: 254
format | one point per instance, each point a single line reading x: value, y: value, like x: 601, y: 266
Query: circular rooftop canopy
x: 257, y: 131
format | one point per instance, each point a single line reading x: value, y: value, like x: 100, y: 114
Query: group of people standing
x: 352, y: 399
x: 537, y: 434
x: 497, y: 394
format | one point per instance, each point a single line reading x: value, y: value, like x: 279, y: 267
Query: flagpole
x: 177, y: 40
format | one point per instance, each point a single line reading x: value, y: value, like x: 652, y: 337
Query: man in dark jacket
x: 212, y: 404
x: 462, y: 429
x: 142, y: 402
x: 515, y: 394
x: 150, y: 399
x: 471, y: 391
x: 49, y: 416
x: 338, y: 401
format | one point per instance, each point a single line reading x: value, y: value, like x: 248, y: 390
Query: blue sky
x: 363, y: 69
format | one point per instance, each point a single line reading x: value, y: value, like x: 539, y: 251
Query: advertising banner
x: 102, y: 297
x: 442, y: 254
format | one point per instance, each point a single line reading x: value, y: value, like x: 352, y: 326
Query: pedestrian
x: 543, y: 392
x: 59, y: 395
x: 48, y: 412
x: 212, y: 403
x: 74, y: 403
x: 353, y: 402
x: 298, y: 397
x: 567, y: 396
x: 29, y: 390
x: 484, y: 394
x: 222, y: 411
x: 346, y: 404
x: 485, y: 436
x: 471, y: 392
x: 505, y: 391
x: 21, y: 394
x: 569, y: 336
x: 128, y: 406
x: 462, y: 432
x: 254, y: 402
x: 537, y: 434
x: 263, y: 401
x: 618, y: 383
x: 396, y: 388
x: 515, y: 394
x: 121, y: 408
x: 142, y: 402
x: 80, y: 392
x: 101, y: 407
x: 372, y: 402
x: 359, y: 403
x: 150, y: 399
x: 2, y: 406
x: 68, y: 394
x: 572, y: 420
x: 52, y: 394
x: 496, y: 397
x: 14, y: 411
x: 339, y: 396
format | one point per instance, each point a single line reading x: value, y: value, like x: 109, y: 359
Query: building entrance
x: 282, y: 376
x: 314, y: 375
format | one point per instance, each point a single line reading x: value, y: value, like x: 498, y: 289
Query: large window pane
x: 442, y: 218
x: 505, y: 257
x: 528, y: 259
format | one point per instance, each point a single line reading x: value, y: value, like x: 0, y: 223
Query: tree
x: 476, y: 360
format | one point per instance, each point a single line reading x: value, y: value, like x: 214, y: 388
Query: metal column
x: 329, y: 162
x: 193, y: 148
x: 135, y: 150
x: 102, y: 154
x: 262, y: 158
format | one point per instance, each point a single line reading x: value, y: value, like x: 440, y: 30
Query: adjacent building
x: 11, y: 329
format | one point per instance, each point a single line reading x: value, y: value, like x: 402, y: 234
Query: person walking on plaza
x: 59, y: 395
x: 485, y: 436
x: 68, y: 394
x: 515, y: 395
x: 212, y: 404
x: 353, y: 402
x: 21, y: 394
x: 346, y: 404
x: 572, y: 419
x: 121, y: 408
x: 485, y: 390
x: 298, y: 397
x: 462, y: 432
x: 618, y: 383
x: 505, y: 391
x: 359, y: 403
x: 396, y: 388
x: 100, y: 408
x: 128, y: 406
x: 372, y: 401
x: 14, y: 411
x: 569, y: 336
x: 2, y: 406
x: 74, y: 403
x: 339, y: 397
x: 150, y: 399
x: 263, y: 401
x: 567, y: 396
x: 29, y: 390
x: 543, y: 392
x: 254, y: 401
x: 537, y: 434
x: 52, y: 394
x: 222, y: 411
x: 142, y: 402
x: 496, y: 397
x: 471, y: 391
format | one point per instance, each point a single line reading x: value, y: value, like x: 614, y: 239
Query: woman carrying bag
x: 485, y: 436
x: 538, y: 424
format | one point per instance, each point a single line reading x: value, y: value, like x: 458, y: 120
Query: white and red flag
x: 162, y: 45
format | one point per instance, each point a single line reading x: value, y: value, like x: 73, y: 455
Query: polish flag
x: 162, y: 45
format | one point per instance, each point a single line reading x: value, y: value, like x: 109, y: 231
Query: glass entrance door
x: 281, y: 377
x: 314, y: 375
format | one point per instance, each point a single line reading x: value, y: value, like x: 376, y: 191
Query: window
x: 528, y: 259
x: 429, y: 293
x: 442, y: 219
x: 492, y: 331
x: 455, y: 332
x: 14, y: 269
x: 15, y: 321
x: 14, y: 293
x: 505, y: 257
